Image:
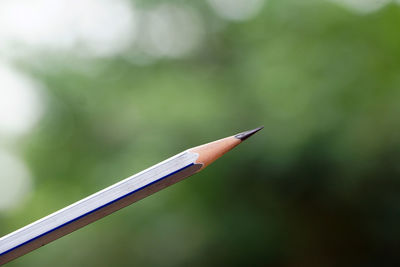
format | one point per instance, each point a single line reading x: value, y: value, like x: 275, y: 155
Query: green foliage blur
x: 319, y: 186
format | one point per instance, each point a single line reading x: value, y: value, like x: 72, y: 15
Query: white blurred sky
x: 100, y: 27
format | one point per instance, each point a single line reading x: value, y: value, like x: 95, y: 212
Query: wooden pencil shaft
x: 115, y: 197
x: 96, y: 215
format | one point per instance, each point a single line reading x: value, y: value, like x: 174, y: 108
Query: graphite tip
x: 243, y: 136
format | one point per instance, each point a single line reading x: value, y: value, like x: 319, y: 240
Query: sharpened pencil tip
x: 243, y: 136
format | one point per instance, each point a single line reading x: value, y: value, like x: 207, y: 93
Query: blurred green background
x: 95, y: 91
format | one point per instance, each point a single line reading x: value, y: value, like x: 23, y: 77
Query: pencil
x: 115, y: 197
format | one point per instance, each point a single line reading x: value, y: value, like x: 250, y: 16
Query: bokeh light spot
x: 362, y: 6
x: 20, y: 103
x: 15, y: 181
x: 170, y: 31
x: 236, y: 9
